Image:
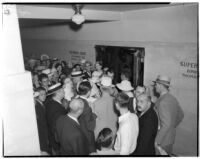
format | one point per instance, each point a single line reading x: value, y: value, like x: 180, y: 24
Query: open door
x: 123, y: 58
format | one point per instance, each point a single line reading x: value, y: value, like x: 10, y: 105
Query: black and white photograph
x: 112, y: 79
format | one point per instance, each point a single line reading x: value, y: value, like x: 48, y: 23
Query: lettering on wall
x: 189, y: 69
x: 76, y: 56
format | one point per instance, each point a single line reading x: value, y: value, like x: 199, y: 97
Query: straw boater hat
x: 125, y: 86
x: 54, y: 88
x: 165, y: 80
x: 47, y: 72
x: 76, y: 74
x: 106, y: 82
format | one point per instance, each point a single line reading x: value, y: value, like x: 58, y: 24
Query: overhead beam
x: 39, y: 12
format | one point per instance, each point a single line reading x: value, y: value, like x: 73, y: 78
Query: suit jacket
x: 106, y: 116
x: 148, y: 126
x: 87, y: 122
x: 42, y: 126
x: 53, y: 110
x: 71, y: 137
x: 170, y: 115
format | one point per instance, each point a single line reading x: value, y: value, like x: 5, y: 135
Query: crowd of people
x: 81, y: 111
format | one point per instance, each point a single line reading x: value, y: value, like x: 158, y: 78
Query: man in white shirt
x: 128, y: 130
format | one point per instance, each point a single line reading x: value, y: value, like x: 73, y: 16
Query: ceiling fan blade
x: 95, y: 21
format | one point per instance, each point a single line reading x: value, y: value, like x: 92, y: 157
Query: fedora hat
x: 165, y: 80
x: 54, y: 88
x: 106, y: 81
x: 76, y: 74
x: 125, y: 86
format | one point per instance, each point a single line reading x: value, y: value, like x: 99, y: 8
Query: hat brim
x: 161, y: 83
x: 119, y: 86
x: 99, y: 84
x: 52, y: 91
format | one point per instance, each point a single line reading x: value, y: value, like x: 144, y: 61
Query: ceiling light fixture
x: 78, y: 18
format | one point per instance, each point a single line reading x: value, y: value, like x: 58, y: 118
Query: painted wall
x: 20, y: 135
x: 169, y: 36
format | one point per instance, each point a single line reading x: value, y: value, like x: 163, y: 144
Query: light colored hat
x: 165, y: 80
x: 53, y: 70
x: 32, y: 61
x: 106, y: 82
x: 47, y: 72
x: 95, y: 79
x: 54, y: 88
x: 125, y: 85
x: 40, y: 68
x: 44, y: 57
x: 76, y: 74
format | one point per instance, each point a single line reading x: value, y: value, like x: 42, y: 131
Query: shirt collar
x: 57, y: 101
x: 124, y: 116
x: 39, y: 102
x: 83, y: 97
x: 73, y: 118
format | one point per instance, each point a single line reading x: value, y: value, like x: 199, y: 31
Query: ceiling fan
x: 75, y: 22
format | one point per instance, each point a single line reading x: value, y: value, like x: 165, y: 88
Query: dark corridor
x: 123, y: 58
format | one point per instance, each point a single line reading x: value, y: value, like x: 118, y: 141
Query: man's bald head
x: 143, y: 102
x: 76, y: 106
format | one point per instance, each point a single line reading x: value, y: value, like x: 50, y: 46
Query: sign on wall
x: 189, y: 69
x: 77, y: 56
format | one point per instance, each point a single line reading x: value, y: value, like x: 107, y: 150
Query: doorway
x: 121, y: 58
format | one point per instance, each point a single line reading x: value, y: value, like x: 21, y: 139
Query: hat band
x: 163, y: 82
x: 76, y: 75
x: 54, y: 90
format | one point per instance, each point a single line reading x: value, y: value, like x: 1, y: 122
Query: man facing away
x: 87, y: 119
x: 148, y: 126
x: 128, y: 130
x: 70, y: 135
x: 104, y: 108
x: 169, y: 112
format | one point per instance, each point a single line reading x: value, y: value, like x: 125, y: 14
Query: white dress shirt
x: 127, y: 134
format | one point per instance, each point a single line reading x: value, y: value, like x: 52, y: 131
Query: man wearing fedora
x: 103, y: 108
x: 54, y: 109
x: 169, y: 112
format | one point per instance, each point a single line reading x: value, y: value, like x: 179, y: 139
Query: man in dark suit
x: 148, y: 126
x: 54, y: 109
x: 70, y: 135
x: 87, y: 119
x: 42, y: 121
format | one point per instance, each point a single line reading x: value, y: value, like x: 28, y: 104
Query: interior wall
x: 20, y: 135
x: 169, y: 36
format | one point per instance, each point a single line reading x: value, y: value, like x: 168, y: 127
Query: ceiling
x: 119, y: 7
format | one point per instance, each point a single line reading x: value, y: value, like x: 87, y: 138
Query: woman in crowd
x: 98, y: 69
x: 35, y: 81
